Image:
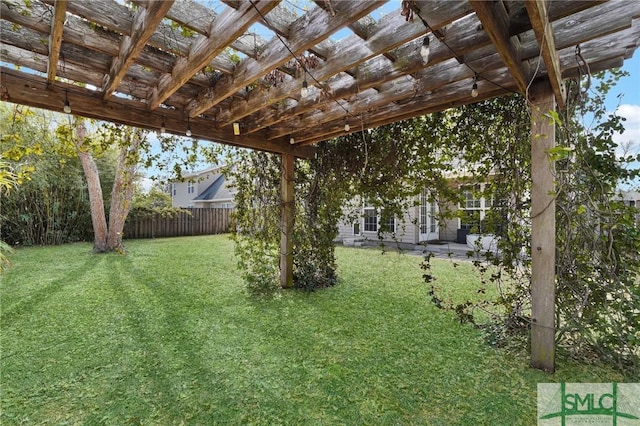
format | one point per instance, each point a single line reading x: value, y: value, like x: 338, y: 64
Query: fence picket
x: 191, y: 221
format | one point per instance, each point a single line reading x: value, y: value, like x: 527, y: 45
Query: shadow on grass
x: 27, y: 305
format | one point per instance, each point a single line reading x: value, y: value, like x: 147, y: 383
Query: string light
x: 67, y: 107
x: 188, y: 132
x: 346, y: 125
x: 292, y: 140
x: 163, y: 127
x: 305, y: 87
x: 474, y: 88
x: 424, y: 50
x: 236, y: 129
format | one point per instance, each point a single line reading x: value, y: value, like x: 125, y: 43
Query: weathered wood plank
x: 94, y: 38
x: 465, y: 37
x: 55, y: 38
x: 287, y: 180
x: 230, y: 24
x: 455, y: 94
x: 543, y: 230
x: 144, y: 24
x: 539, y: 17
x: 587, y: 25
x: 35, y: 91
x: 432, y: 80
x: 306, y: 32
x: 496, y: 23
x: 390, y: 32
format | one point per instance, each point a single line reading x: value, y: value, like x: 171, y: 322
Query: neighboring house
x: 419, y: 223
x: 632, y: 199
x: 204, y: 189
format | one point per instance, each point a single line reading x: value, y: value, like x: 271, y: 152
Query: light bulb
x: 474, y: 90
x: 424, y: 50
x: 292, y: 140
x: 163, y: 127
x: 188, y: 132
x: 67, y: 107
x: 305, y: 88
x: 236, y: 129
x: 347, y: 127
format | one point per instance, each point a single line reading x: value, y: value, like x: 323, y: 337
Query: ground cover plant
x: 168, y: 334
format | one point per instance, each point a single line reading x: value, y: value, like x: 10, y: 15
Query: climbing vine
x: 489, y: 142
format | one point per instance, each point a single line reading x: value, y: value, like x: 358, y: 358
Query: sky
x: 629, y: 102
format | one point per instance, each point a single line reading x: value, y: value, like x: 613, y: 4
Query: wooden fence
x: 192, y: 221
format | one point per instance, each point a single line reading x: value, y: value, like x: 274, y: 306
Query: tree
x: 128, y: 140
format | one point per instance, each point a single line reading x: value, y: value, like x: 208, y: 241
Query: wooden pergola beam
x: 144, y: 24
x: 229, y: 25
x: 306, y: 32
x: 495, y: 22
x: 390, y: 32
x: 378, y: 70
x: 35, y: 91
x: 539, y: 17
x: 457, y: 94
x: 55, y: 39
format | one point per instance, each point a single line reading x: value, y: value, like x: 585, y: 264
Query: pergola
x: 271, y: 75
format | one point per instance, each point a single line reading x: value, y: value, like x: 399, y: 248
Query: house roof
x: 217, y: 191
x: 223, y: 67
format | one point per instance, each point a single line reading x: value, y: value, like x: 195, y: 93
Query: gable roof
x: 218, y: 190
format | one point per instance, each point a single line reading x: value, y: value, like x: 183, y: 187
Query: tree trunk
x: 122, y: 192
x: 95, y: 192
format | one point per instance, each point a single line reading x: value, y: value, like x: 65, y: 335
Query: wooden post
x: 286, y: 220
x: 543, y: 229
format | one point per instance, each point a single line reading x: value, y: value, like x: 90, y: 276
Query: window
x: 428, y: 220
x: 373, y: 220
x: 191, y: 187
x: 388, y: 225
x: 470, y: 202
x: 473, y: 208
x: 370, y: 219
x: 356, y: 228
x: 175, y: 191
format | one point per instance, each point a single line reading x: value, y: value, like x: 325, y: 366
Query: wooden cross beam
x: 55, y: 39
x: 229, y: 25
x: 495, y: 22
x: 306, y: 32
x: 144, y: 25
x: 539, y: 18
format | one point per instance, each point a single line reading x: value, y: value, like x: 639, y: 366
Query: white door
x: 429, y: 229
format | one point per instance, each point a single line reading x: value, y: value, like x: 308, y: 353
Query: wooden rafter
x: 229, y: 25
x: 306, y: 32
x: 456, y: 95
x: 391, y: 32
x: 495, y: 22
x: 389, y: 92
x: 55, y: 39
x: 376, y: 73
x: 539, y: 18
x: 144, y: 25
x: 372, y: 73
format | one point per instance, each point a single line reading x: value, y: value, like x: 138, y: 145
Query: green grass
x: 167, y: 335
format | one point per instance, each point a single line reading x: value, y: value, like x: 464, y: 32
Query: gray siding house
x: 203, y: 189
x: 419, y: 223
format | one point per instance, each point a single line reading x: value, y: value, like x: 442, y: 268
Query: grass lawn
x: 166, y: 335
